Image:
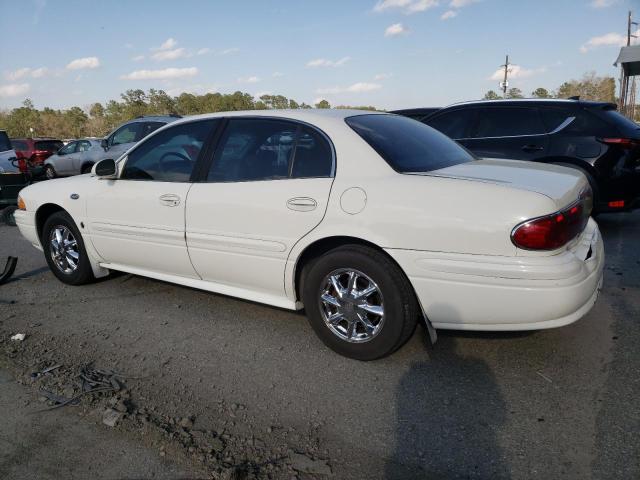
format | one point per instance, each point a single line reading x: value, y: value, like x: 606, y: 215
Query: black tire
x: 7, y: 216
x: 86, y: 168
x: 50, y: 172
x: 400, y: 306
x: 82, y: 273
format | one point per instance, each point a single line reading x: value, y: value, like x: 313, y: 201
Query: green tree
x: 514, y: 93
x: 541, y: 93
x: 491, y: 95
x: 590, y: 87
x: 159, y: 103
x: 323, y: 104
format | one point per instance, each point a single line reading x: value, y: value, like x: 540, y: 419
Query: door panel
x: 240, y: 234
x: 131, y: 225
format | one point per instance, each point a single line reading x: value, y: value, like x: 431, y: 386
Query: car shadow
x: 449, y: 410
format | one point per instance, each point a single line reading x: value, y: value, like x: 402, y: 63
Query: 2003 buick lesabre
x: 368, y: 221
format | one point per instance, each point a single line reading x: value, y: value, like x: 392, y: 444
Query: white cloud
x: 358, y: 87
x: 82, y: 63
x: 26, y: 72
x: 138, y: 58
x: 168, y: 44
x: 421, y: 6
x: 606, y: 40
x: 461, y: 3
x: 602, y: 3
x: 407, y: 6
x: 395, y: 30
x: 252, y: 79
x: 203, y: 51
x: 277, y: 74
x: 323, y: 62
x: 259, y: 94
x: 516, y: 71
x: 163, y: 55
x: 449, y: 14
x: 228, y: 51
x: 382, y: 76
x: 162, y: 74
x: 13, y: 89
x: 197, y: 89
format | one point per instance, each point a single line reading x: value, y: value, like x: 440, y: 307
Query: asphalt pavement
x: 559, y: 403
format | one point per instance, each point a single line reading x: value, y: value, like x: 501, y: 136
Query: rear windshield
x: 5, y: 144
x: 619, y: 120
x: 49, y: 145
x: 408, y: 146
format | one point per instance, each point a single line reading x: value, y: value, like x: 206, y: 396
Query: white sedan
x: 368, y: 221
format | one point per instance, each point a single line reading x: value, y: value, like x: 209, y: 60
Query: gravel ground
x: 241, y: 390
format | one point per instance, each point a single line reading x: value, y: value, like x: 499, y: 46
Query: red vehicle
x: 32, y: 152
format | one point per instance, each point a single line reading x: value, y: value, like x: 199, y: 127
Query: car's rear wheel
x: 359, y: 302
x: 50, y: 172
x: 65, y: 251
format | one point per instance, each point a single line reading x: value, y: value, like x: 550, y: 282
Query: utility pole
x: 632, y: 96
x: 628, y: 92
x: 504, y: 84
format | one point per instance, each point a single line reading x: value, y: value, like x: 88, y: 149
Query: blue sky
x: 387, y: 53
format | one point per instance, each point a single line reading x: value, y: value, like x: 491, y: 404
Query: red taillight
x: 616, y: 204
x: 621, y: 142
x: 553, y: 231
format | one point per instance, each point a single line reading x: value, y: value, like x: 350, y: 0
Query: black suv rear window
x: 5, y: 144
x: 49, y: 145
x: 408, y: 146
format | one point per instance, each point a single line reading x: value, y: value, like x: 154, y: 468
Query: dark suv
x: 590, y: 136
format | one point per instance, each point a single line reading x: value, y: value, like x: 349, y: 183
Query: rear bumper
x: 474, y: 292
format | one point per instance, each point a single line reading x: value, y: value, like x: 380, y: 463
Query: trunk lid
x: 562, y: 185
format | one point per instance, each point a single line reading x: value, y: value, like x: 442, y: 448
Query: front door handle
x: 302, y: 204
x: 532, y: 148
x: 170, y: 200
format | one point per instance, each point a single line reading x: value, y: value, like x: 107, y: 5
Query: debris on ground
x: 18, y: 337
x: 111, y: 417
x: 304, y: 464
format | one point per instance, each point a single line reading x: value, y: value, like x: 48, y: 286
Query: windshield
x: 408, y: 146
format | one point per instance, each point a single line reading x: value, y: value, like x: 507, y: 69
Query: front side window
x: 253, y: 149
x: 408, y: 146
x: 67, y: 149
x: 83, y: 146
x: 453, y: 124
x: 170, y: 155
x: 507, y: 122
x: 126, y: 134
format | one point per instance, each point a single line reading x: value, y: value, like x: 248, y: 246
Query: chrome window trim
x: 559, y: 128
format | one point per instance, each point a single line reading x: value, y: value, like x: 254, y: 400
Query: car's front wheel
x: 65, y: 251
x: 50, y: 172
x: 359, y: 302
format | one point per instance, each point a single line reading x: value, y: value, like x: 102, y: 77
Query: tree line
x: 589, y: 87
x: 97, y: 120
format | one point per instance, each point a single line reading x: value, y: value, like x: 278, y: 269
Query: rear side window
x: 170, y: 155
x: 19, y: 145
x: 453, y: 124
x: 255, y: 149
x: 507, y: 122
x: 49, y: 145
x: 620, y: 121
x: 5, y: 144
x: 554, y: 117
x: 408, y: 146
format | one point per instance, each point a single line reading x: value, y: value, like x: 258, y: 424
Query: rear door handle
x: 302, y: 204
x: 170, y: 200
x: 532, y: 148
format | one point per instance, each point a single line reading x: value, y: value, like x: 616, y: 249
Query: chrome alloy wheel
x: 64, y: 249
x: 351, y: 305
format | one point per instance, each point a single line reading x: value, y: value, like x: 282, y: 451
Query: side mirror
x: 105, y: 169
x: 104, y: 143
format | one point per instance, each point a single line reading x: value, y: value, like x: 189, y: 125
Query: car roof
x: 154, y: 118
x: 534, y: 101
x: 416, y: 111
x: 309, y: 115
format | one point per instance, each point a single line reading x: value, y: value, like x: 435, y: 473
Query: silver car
x: 128, y: 134
x: 74, y: 158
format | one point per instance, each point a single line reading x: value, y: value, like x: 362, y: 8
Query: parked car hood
x: 563, y: 185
